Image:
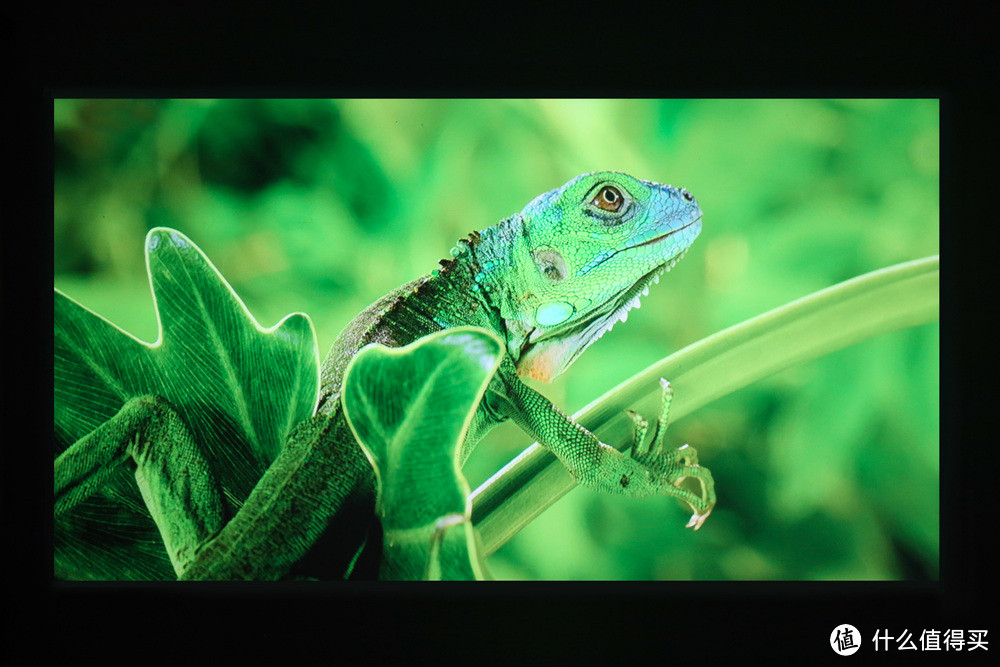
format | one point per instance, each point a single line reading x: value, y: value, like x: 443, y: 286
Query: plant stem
x: 875, y: 303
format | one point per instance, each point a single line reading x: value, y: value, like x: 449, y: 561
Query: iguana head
x: 570, y: 265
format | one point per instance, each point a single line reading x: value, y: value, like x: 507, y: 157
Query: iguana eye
x: 609, y: 199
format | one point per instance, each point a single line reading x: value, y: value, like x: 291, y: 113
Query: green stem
x: 886, y: 300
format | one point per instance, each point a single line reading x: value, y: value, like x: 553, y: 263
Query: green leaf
x: 240, y: 388
x: 893, y: 298
x: 410, y: 408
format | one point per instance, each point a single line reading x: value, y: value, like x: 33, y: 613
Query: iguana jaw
x: 545, y: 353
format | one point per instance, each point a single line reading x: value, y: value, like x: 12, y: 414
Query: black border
x: 275, y: 50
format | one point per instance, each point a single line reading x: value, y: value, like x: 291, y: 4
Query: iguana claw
x: 677, y: 464
x: 686, y: 458
x: 697, y: 520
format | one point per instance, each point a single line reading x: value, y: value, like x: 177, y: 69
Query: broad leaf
x: 239, y: 387
x: 410, y: 408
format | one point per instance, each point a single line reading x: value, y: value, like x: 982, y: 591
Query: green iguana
x: 548, y: 281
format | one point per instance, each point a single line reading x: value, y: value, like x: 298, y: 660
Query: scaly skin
x: 549, y: 281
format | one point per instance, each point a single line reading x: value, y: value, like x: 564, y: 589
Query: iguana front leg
x: 601, y: 467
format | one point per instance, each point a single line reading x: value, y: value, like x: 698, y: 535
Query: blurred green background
x: 828, y: 470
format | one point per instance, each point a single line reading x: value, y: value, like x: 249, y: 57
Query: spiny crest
x: 460, y: 249
x: 461, y: 260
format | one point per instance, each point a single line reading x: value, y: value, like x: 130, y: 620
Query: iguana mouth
x: 655, y: 240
